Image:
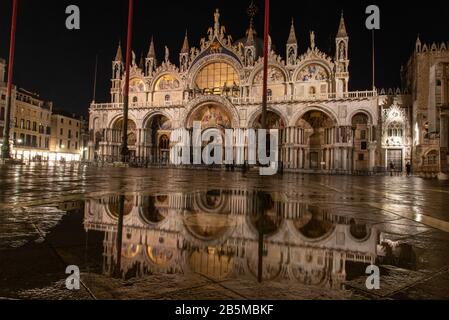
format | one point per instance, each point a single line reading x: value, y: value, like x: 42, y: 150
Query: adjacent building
x: 38, y: 132
x: 66, y: 136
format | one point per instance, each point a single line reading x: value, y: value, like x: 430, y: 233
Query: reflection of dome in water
x: 150, y: 213
x: 208, y: 226
x: 159, y: 256
x: 211, y: 263
x: 313, y: 224
x: 114, y: 206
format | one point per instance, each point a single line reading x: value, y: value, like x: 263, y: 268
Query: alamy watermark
x: 73, y: 281
x: 241, y: 146
x: 373, y: 280
x: 73, y: 21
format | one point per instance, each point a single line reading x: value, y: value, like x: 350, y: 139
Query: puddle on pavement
x: 220, y: 235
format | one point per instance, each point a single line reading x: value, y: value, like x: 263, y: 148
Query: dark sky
x: 59, y: 64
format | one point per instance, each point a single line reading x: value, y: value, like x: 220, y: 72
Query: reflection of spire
x: 151, y: 51
x: 185, y: 45
x: 292, y: 36
x: 119, y: 56
x: 342, y: 28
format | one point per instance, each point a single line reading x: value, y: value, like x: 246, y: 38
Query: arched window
x: 395, y: 129
x: 135, y: 100
x: 215, y: 76
x: 164, y: 142
x: 269, y: 93
x: 431, y: 159
x: 167, y: 98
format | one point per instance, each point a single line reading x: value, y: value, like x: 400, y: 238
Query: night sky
x: 59, y: 64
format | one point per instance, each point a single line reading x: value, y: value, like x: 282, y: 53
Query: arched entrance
x: 157, y: 138
x: 116, y: 136
x: 315, y: 138
x: 214, y: 119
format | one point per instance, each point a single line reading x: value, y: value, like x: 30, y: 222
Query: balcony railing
x: 356, y: 95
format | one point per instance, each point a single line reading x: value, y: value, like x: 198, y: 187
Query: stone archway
x: 115, y: 138
x: 315, y: 135
x: 157, y: 130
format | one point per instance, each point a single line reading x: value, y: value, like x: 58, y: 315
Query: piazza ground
x: 193, y: 234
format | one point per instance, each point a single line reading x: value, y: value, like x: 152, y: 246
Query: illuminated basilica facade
x: 324, y: 126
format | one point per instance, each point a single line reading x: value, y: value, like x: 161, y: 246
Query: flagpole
x: 124, y: 152
x: 374, y: 61
x: 265, y: 66
x: 95, y: 79
x: 6, y: 148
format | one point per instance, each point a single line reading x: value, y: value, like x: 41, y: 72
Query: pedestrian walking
x: 408, y: 167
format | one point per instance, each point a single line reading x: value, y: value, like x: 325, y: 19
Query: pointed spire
x: 342, y: 28
x: 292, y: 36
x: 141, y: 62
x: 151, y: 51
x: 185, y: 45
x: 250, y: 36
x: 119, y: 56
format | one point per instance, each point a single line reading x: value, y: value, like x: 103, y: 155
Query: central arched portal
x: 158, y: 130
x: 315, y: 134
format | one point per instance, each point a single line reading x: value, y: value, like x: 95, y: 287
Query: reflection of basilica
x: 324, y: 126
x: 218, y: 234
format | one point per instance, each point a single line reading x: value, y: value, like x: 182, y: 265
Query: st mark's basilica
x: 324, y: 126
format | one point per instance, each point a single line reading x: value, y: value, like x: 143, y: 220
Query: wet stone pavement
x: 199, y: 234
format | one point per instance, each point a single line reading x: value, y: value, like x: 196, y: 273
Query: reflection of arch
x: 213, y: 262
x: 314, y: 226
x: 113, y: 207
x: 149, y: 213
x: 160, y: 256
x: 358, y: 231
x: 213, y: 201
x: 209, y: 226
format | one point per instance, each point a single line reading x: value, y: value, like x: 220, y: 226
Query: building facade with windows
x: 324, y: 126
x: 35, y: 127
x: 66, y: 136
